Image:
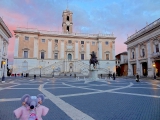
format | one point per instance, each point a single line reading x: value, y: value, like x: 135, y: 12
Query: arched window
x: 67, y: 18
x: 69, y: 56
x: 68, y: 28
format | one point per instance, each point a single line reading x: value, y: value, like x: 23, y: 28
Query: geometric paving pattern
x: 120, y: 99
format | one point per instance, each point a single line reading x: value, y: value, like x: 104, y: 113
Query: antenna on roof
x: 146, y: 23
x: 67, y: 4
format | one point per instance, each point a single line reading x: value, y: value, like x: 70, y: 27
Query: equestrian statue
x: 93, y: 60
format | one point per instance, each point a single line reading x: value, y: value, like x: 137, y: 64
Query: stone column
x: 141, y: 72
x: 99, y: 50
x: 113, y: 50
x: 49, y: 48
x: 62, y: 49
x: 130, y: 71
x: 137, y: 61
x: 159, y: 44
x: 16, y: 46
x: 35, y: 47
x: 76, y: 50
x: 150, y: 68
x: 88, y: 50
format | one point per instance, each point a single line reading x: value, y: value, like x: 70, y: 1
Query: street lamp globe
x: 3, y: 77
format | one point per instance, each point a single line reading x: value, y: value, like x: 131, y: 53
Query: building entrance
x: 134, y: 69
x: 157, y: 62
x: 144, y: 69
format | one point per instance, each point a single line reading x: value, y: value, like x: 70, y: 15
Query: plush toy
x: 31, y: 108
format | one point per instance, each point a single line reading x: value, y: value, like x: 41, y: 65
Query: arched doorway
x: 69, y: 56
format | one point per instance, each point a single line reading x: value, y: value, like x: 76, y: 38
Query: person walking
x: 113, y: 76
x: 137, y: 78
x: 101, y: 76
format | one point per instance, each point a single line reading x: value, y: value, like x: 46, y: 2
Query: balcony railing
x: 124, y: 61
x: 157, y: 54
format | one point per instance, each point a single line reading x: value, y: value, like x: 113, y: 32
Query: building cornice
x: 143, y: 31
x: 62, y: 34
x: 5, y: 27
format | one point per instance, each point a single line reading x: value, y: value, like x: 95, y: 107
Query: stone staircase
x: 46, y: 71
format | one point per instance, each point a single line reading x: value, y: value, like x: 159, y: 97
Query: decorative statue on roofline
x: 93, y: 60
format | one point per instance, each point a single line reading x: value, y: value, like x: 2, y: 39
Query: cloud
x: 121, y: 17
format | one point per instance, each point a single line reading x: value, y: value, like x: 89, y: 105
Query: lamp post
x: 154, y: 66
x: 3, y: 77
x: 40, y: 70
x: 53, y: 71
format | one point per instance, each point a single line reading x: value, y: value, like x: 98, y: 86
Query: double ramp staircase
x: 82, y: 69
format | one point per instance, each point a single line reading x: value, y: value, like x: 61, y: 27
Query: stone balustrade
x: 62, y: 33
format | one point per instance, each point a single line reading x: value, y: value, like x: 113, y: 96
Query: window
x: 25, y: 54
x: 157, y: 48
x: 143, y: 53
x: 67, y: 18
x: 26, y: 38
x: 107, y: 56
x: 93, y: 43
x: 82, y: 42
x: 133, y: 55
x: 42, y: 55
x: 55, y: 55
x: 69, y: 57
x: 43, y: 40
x: 56, y: 41
x: 68, y: 28
x: 69, y: 41
x: 82, y: 56
x: 106, y: 42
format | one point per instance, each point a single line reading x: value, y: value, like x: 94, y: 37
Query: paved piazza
x: 71, y: 99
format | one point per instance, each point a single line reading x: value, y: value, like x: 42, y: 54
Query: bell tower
x: 67, y: 23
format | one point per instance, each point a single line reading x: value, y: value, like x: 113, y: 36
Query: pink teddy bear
x: 31, y: 108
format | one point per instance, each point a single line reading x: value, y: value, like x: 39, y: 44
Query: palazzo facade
x: 61, y: 52
x: 144, y: 51
x: 5, y: 34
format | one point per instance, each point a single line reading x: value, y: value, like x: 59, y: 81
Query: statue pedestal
x: 93, y: 74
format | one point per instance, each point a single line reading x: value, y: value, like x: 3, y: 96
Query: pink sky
x: 89, y: 16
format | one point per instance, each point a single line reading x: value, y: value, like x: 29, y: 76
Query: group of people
x: 110, y: 75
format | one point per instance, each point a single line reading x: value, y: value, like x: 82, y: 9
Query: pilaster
x: 36, y: 47
x: 49, y: 48
x: 150, y: 68
x: 113, y: 50
x: 16, y: 46
x: 62, y: 49
x: 130, y: 71
x: 99, y: 50
x: 137, y: 61
x: 88, y: 50
x: 76, y: 50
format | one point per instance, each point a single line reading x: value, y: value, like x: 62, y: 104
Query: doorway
x: 144, y: 69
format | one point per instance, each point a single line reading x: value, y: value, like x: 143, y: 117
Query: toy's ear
x: 40, y: 98
x: 25, y: 98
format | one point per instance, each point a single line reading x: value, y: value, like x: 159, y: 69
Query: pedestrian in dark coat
x: 137, y: 78
x: 114, y: 76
